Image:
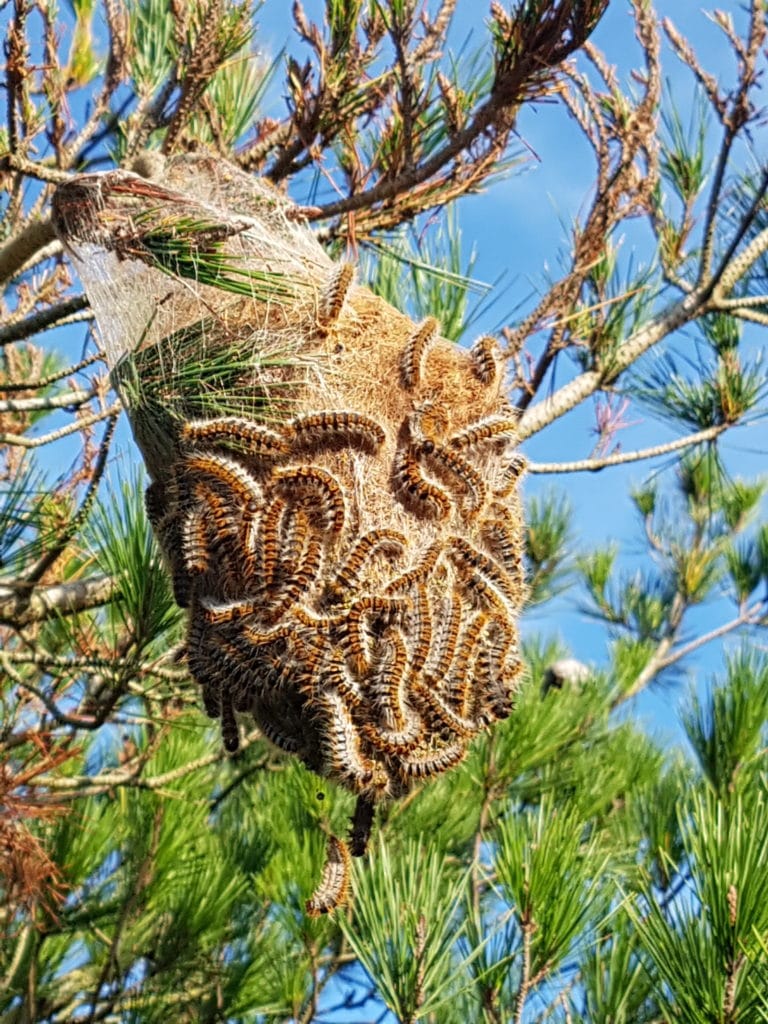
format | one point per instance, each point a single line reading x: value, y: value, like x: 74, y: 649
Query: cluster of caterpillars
x: 373, y: 654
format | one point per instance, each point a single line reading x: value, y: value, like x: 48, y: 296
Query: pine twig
x: 23, y: 246
x: 42, y: 320
x: 21, y: 441
x: 21, y: 606
x: 64, y: 400
x: 50, y: 557
x: 621, y: 458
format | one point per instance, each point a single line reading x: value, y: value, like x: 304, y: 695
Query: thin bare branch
x: 16, y: 253
x: 65, y: 535
x: 622, y: 458
x: 20, y: 606
x: 21, y: 441
x: 64, y: 400
x: 65, y: 312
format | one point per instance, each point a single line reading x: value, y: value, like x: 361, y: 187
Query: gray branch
x: 22, y: 606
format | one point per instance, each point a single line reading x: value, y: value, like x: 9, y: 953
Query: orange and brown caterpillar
x: 439, y: 713
x: 245, y: 437
x: 353, y: 635
x: 390, y: 678
x: 428, y: 422
x: 334, y: 883
x: 504, y: 546
x: 485, y: 355
x: 295, y: 535
x: 340, y: 747
x: 432, y: 762
x: 419, y: 572
x: 467, y: 556
x: 389, y: 542
x: 297, y: 584
x: 320, y: 485
x: 333, y: 296
x: 450, y: 462
x: 317, y: 430
x: 227, y: 476
x: 485, y: 431
x: 422, y: 496
x: 194, y: 542
x: 269, y: 542
x: 337, y: 676
x: 395, y: 744
x: 414, y: 353
x: 422, y: 640
x: 447, y: 641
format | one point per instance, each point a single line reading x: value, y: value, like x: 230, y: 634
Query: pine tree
x: 572, y: 868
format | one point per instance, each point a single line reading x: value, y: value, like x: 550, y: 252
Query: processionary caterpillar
x: 485, y: 355
x: 414, y: 353
x: 248, y: 438
x: 320, y: 485
x: 423, y: 496
x: 318, y: 430
x: 334, y: 883
x: 490, y: 429
x: 334, y: 294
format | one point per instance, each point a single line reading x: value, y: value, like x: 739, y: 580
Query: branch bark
x: 22, y: 606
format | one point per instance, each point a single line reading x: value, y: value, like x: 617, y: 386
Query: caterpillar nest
x: 333, y: 486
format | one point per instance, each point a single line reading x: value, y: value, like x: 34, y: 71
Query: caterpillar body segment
x: 428, y: 422
x: 269, y: 543
x: 276, y: 736
x: 469, y: 557
x: 168, y: 531
x: 343, y: 758
x: 391, y: 744
x: 296, y: 540
x: 440, y: 714
x: 510, y: 478
x: 363, y: 615
x: 422, y: 634
x: 390, y: 543
x: 226, y: 475
x: 444, y: 651
x: 361, y: 826
x: 229, y: 732
x: 451, y: 465
x: 195, y: 542
x: 421, y: 765
x: 423, y: 568
x: 389, y: 685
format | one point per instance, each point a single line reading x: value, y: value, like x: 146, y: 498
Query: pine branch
x: 574, y: 392
x: 621, y: 458
x: 64, y: 400
x: 22, y: 441
x: 20, y: 606
x: 68, y: 311
x: 23, y: 246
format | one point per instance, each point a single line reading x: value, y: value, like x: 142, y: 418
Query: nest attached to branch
x: 334, y: 487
